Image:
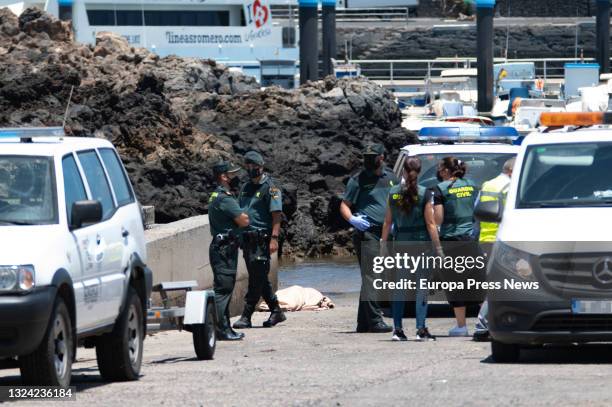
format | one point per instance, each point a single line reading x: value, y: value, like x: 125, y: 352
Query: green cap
x: 254, y: 157
x: 223, y: 167
x: 374, y: 149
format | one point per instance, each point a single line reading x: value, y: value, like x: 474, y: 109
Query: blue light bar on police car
x: 31, y: 132
x: 469, y: 134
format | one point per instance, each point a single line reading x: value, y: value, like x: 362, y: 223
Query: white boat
x: 236, y: 33
x: 346, y: 70
x: 458, y: 83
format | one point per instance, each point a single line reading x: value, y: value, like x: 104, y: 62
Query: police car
x: 484, y: 150
x: 73, y: 259
x: 554, y: 244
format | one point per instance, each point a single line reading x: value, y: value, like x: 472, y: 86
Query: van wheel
x: 505, y: 353
x: 119, y: 352
x: 205, y: 336
x: 51, y: 363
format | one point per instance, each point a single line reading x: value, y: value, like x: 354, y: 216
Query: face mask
x: 370, y: 163
x: 234, y: 183
x: 254, y: 172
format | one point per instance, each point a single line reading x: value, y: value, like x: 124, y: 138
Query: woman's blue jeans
x: 398, y: 305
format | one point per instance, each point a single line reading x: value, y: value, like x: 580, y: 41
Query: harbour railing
x: 280, y: 12
x: 421, y: 69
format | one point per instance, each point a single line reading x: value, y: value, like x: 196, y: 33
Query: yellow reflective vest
x: 492, y: 190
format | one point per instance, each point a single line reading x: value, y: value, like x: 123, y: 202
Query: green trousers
x: 224, y: 263
x: 258, y: 265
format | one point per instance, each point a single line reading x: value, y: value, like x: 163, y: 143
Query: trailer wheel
x: 204, y: 335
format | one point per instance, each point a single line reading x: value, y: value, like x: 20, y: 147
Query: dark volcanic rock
x: 171, y: 118
x: 312, y: 137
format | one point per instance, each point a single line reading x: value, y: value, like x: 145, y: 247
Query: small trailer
x: 198, y: 316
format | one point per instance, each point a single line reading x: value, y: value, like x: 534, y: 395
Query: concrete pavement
x: 315, y: 359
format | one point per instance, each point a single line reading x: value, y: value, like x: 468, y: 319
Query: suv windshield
x: 27, y: 191
x: 481, y: 167
x: 566, y: 175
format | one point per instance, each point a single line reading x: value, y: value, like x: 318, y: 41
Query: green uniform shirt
x: 259, y: 201
x: 368, y: 193
x: 458, y: 198
x: 409, y: 227
x: 223, y: 208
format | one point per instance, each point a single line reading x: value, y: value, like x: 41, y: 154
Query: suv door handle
x: 125, y: 232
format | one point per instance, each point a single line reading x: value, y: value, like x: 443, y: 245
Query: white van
x: 555, y: 240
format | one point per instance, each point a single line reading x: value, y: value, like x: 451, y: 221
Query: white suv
x: 72, y: 264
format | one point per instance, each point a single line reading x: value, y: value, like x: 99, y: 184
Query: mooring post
x: 484, y: 51
x: 603, y: 35
x: 329, y: 36
x: 309, y: 42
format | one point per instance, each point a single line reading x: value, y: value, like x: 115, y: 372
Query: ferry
x: 237, y: 33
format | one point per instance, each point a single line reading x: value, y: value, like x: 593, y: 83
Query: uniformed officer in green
x: 364, y: 206
x: 405, y: 212
x: 450, y: 206
x: 225, y: 217
x: 262, y: 201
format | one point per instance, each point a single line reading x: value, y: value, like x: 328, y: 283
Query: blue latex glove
x: 359, y: 222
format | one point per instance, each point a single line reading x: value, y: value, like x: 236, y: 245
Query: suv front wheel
x: 119, y: 353
x: 51, y: 363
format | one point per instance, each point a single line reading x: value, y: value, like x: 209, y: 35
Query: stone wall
x: 549, y: 8
x: 518, y: 8
x: 528, y: 41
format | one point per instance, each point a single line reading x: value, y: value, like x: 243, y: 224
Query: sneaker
x: 458, y: 331
x: 424, y: 335
x: 481, y: 332
x: 399, y: 336
x: 481, y: 336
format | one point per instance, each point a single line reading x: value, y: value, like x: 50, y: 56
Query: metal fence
x: 353, y: 14
x: 418, y: 69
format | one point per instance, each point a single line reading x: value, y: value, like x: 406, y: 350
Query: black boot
x: 239, y: 334
x: 245, y: 320
x: 229, y: 335
x: 276, y: 317
x: 225, y: 332
x: 229, y: 328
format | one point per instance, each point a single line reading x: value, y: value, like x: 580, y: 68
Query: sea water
x: 330, y: 276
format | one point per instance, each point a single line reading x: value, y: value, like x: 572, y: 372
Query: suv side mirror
x: 85, y: 212
x: 489, y: 211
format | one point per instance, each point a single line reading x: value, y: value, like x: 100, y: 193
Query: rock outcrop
x: 311, y: 139
x: 171, y: 118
